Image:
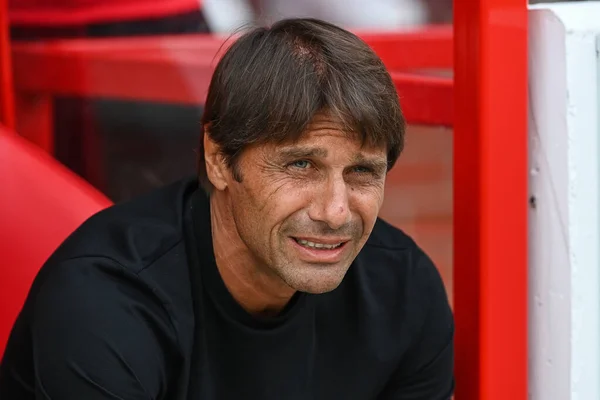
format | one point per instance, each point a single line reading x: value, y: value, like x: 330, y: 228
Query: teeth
x: 306, y: 243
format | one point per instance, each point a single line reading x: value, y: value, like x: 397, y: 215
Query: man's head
x: 301, y: 124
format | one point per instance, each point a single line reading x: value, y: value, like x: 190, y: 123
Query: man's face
x: 304, y: 210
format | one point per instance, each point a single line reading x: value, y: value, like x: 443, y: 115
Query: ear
x: 216, y: 169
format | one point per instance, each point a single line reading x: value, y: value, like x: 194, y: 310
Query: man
x: 271, y: 278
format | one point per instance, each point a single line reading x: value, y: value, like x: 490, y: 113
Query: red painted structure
x: 7, y: 105
x: 178, y: 69
x: 42, y: 202
x: 490, y: 198
x: 485, y: 103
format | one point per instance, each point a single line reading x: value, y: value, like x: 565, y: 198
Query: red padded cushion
x: 41, y: 203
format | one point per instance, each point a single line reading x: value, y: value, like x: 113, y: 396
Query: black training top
x: 132, y: 306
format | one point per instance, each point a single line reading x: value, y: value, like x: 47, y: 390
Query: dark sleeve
x: 98, y: 333
x: 427, y: 371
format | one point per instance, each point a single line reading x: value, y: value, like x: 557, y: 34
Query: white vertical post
x: 564, y: 265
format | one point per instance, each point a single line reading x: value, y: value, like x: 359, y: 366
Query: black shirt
x: 132, y: 306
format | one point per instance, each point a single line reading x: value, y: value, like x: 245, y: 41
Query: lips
x: 321, y: 251
x: 318, y: 244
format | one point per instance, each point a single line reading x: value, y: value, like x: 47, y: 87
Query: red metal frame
x: 404, y: 49
x: 183, y: 79
x: 178, y: 69
x: 390, y: 46
x: 7, y: 105
x: 490, y: 169
x: 425, y: 100
x: 490, y: 199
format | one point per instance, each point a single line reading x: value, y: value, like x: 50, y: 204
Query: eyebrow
x: 378, y: 164
x: 303, y: 152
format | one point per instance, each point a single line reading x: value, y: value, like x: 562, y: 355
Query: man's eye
x: 362, y: 170
x: 301, y: 164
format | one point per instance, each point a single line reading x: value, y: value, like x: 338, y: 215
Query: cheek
x: 367, y: 204
x: 266, y: 208
x: 283, y: 205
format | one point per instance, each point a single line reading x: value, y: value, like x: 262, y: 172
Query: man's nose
x: 330, y: 204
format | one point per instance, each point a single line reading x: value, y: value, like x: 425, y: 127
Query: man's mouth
x: 318, y: 244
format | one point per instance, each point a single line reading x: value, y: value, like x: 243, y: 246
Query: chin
x: 316, y: 279
x: 319, y: 289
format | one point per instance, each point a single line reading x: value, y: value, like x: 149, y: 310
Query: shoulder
x: 410, y: 309
x: 110, y: 310
x: 392, y: 254
x: 96, y: 322
x: 400, y: 276
x: 126, y: 262
x: 387, y: 236
x: 84, y: 288
x: 96, y: 294
x: 132, y: 234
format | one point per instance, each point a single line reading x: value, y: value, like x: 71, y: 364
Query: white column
x: 564, y: 241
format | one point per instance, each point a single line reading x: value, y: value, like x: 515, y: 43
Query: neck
x: 257, y: 289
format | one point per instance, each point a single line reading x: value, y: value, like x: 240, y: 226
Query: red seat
x: 41, y: 203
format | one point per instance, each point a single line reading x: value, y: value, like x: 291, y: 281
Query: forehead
x: 328, y: 133
x: 324, y: 125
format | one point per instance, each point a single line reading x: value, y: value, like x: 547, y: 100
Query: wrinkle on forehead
x: 328, y: 126
x: 325, y: 121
